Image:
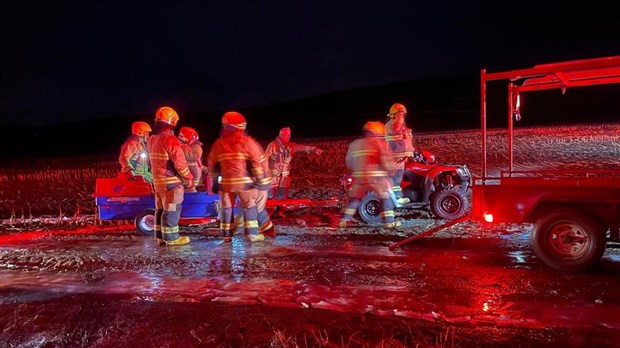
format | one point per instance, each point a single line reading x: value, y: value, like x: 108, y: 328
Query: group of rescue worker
x: 377, y: 164
x: 239, y: 170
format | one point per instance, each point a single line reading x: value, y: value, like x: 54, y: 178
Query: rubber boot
x: 179, y: 241
x: 270, y: 232
x: 392, y: 224
x: 255, y: 237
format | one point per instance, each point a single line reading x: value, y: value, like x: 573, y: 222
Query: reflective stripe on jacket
x: 263, y: 183
x: 167, y: 161
x: 133, y: 156
x: 193, y: 157
x: 369, y: 158
x: 399, y: 138
x: 280, y: 156
x: 238, y: 159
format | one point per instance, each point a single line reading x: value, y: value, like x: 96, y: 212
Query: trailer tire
x: 568, y: 240
x: 370, y: 209
x: 145, y: 222
x: 448, y: 204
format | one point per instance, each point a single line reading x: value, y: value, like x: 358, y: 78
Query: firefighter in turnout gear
x: 280, y: 153
x: 400, y: 140
x: 371, y: 163
x: 192, y: 148
x: 134, y: 157
x: 239, y: 160
x: 265, y: 226
x: 170, y: 170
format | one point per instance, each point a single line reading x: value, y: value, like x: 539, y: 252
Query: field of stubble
x: 63, y: 187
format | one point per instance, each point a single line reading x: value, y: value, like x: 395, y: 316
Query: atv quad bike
x: 442, y: 187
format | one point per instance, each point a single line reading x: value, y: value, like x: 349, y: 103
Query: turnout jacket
x: 167, y: 161
x: 193, y: 157
x: 133, y: 156
x: 400, y: 139
x: 369, y: 159
x: 239, y: 159
x: 280, y: 156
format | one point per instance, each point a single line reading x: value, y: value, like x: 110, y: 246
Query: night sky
x: 72, y: 60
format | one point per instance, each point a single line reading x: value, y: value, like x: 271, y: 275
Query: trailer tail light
x: 488, y: 217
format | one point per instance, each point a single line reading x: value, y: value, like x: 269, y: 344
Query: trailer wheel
x: 145, y: 222
x: 568, y: 240
x: 370, y: 209
x: 448, y: 204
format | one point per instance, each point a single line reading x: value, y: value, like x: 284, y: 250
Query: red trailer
x: 574, y: 212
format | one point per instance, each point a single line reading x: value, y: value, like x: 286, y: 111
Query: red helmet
x: 234, y: 119
x: 188, y: 134
x: 167, y: 115
x: 140, y: 128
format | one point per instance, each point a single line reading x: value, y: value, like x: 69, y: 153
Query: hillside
x: 434, y: 105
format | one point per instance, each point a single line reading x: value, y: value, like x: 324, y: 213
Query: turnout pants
x: 397, y: 178
x: 248, y: 200
x: 380, y: 188
x: 167, y: 213
x: 264, y: 221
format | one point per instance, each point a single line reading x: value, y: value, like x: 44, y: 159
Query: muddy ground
x: 311, y: 286
x: 76, y: 281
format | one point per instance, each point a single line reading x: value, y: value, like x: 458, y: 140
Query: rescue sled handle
x: 576, y: 73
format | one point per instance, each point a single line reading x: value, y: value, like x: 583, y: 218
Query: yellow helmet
x: 234, y: 119
x: 167, y: 115
x: 396, y: 108
x: 375, y: 127
x: 140, y: 128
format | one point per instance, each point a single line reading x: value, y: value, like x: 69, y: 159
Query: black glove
x: 216, y: 187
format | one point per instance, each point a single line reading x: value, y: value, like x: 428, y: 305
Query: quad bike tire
x: 145, y: 222
x: 370, y: 209
x: 568, y: 240
x: 448, y: 204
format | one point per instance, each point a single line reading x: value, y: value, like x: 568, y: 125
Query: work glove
x: 190, y: 183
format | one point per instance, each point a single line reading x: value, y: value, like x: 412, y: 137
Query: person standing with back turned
x: 239, y: 161
x: 169, y: 170
x: 192, y: 147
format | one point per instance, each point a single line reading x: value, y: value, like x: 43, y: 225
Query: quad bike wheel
x: 145, y: 222
x: 568, y: 240
x: 448, y: 204
x: 370, y: 209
